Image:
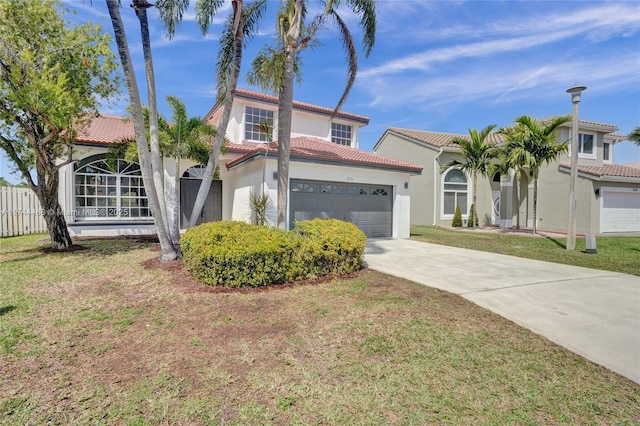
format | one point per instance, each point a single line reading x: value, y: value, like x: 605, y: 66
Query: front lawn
x: 618, y: 254
x: 105, y: 336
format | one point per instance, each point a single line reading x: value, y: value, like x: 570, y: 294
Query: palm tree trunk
x: 475, y: 199
x: 518, y: 174
x: 285, y: 107
x: 175, y: 230
x: 156, y: 161
x: 535, y: 201
x: 167, y: 250
x: 232, y: 82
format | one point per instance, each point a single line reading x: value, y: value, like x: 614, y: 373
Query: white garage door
x: 367, y: 206
x: 620, y: 210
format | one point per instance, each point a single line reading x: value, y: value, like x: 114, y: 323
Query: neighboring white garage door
x: 620, y: 210
x: 367, y: 206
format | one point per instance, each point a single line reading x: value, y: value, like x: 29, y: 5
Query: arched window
x: 455, y: 190
x: 109, y: 190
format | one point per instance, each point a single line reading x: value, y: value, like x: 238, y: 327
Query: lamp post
x: 575, y: 140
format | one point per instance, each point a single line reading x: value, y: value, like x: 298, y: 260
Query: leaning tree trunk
x: 47, y: 193
x: 167, y: 249
x: 221, y: 129
x: 156, y: 161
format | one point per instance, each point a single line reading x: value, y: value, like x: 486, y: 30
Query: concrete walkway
x: 594, y: 313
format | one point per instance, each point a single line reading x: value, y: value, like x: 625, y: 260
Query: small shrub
x: 260, y: 203
x: 331, y: 246
x: 473, y: 215
x: 457, y: 218
x: 235, y: 254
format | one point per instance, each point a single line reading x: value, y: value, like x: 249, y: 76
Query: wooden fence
x: 20, y: 212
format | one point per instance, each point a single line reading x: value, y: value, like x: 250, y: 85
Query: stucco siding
x: 420, y: 186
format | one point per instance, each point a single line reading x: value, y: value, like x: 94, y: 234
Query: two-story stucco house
x: 329, y: 176
x: 608, y: 195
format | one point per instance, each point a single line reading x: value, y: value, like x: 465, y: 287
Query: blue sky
x: 437, y: 65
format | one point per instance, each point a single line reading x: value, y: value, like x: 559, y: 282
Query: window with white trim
x: 586, y: 144
x: 253, y: 118
x: 455, y: 192
x: 109, y: 190
x: 606, y: 153
x: 341, y: 134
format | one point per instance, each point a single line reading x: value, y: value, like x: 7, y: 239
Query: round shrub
x: 235, y: 254
x: 331, y: 246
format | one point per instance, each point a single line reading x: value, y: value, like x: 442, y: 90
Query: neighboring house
x: 608, y: 195
x: 329, y: 176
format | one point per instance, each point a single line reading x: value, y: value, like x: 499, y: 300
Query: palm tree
x: 479, y: 155
x: 184, y: 138
x: 634, y: 136
x: 167, y: 250
x: 503, y: 166
x: 240, y: 24
x: 294, y: 37
x: 533, y: 143
x: 140, y: 7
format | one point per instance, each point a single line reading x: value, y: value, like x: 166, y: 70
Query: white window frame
x: 339, y: 138
x: 465, y: 214
x: 254, y: 134
x: 610, y: 159
x: 593, y: 155
x: 105, y: 188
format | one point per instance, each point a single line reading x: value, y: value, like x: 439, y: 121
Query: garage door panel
x: 620, y: 211
x: 367, y: 206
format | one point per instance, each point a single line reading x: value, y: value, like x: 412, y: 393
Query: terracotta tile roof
x: 439, y: 139
x: 106, y: 129
x: 323, y: 151
x: 249, y: 94
x: 608, y: 170
x: 635, y: 165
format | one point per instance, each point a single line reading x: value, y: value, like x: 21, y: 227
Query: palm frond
x: 171, y: 13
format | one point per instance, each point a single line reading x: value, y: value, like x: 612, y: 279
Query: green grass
x: 618, y: 254
x: 93, y: 337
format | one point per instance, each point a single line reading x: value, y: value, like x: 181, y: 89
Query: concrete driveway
x: 594, y: 313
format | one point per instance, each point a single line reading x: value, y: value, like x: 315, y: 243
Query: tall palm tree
x: 479, y: 155
x: 140, y: 7
x: 240, y: 24
x: 294, y: 37
x: 532, y: 143
x: 634, y: 136
x: 167, y: 250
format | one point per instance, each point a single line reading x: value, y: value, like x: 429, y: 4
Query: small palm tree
x: 532, y: 143
x: 634, y: 136
x: 479, y: 155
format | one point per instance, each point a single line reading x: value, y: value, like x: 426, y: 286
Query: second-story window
x: 586, y: 144
x: 341, y: 134
x: 606, y: 152
x: 253, y: 117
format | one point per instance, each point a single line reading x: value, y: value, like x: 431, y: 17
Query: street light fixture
x: 575, y: 140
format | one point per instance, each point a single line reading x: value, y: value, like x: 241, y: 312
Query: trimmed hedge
x: 235, y: 254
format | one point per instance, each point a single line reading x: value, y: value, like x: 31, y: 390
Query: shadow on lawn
x: 556, y: 242
x: 6, y: 309
x: 93, y: 246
